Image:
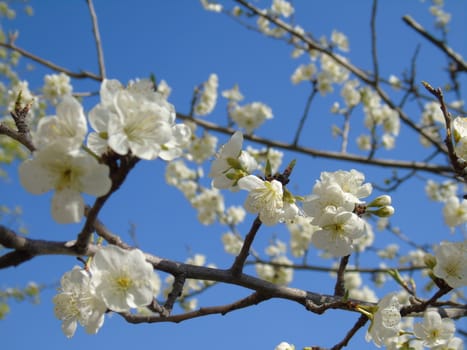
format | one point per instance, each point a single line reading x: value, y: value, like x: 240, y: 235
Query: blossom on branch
x: 207, y: 99
x: 69, y: 173
x: 77, y: 302
x: 123, y: 279
x: 385, y: 320
x: 434, y: 330
x: 231, y: 164
x: 266, y: 199
x: 451, y: 263
x: 68, y: 126
x: 250, y: 116
x: 135, y: 119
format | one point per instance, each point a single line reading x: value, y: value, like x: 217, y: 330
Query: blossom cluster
x: 134, y: 120
x: 116, y: 280
x: 389, y: 329
x: 331, y: 207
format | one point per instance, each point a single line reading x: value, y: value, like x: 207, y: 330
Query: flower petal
x: 67, y: 206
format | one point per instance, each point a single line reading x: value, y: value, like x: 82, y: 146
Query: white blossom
x: 207, y: 99
x: 335, y: 192
x: 454, y: 343
x: 250, y: 116
x: 280, y: 275
x: 232, y: 243
x: 69, y: 173
x: 451, y: 263
x: 440, y: 192
x: 202, y: 148
x: 211, y: 6
x: 210, y: 205
x: 265, y: 198
x: 282, y: 7
x: 455, y: 211
x: 164, y: 89
x: 338, y: 230
x: 340, y: 40
x: 284, y: 346
x: 77, y: 302
x: 386, y: 320
x: 56, y: 86
x: 434, y: 330
x: 301, y: 231
x: 233, y: 94
x: 231, y: 163
x: 136, y: 119
x: 123, y: 279
x: 68, y: 126
x: 303, y: 73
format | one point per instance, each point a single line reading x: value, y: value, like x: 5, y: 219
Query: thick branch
x: 314, y: 302
x: 25, y: 248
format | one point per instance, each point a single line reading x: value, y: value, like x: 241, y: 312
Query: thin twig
x: 97, y: 39
x: 374, y: 52
x: 362, y: 320
x: 250, y: 300
x: 51, y: 65
x: 391, y: 163
x: 314, y: 90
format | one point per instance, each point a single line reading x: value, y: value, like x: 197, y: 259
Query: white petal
x: 67, y: 206
x: 69, y: 327
x: 97, y: 181
x: 250, y: 182
x: 34, y: 178
x: 109, y: 89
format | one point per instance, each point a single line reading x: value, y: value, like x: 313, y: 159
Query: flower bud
x: 380, y: 201
x: 429, y: 260
x: 383, y: 212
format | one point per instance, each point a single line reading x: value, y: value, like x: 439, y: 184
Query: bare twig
x: 314, y: 91
x: 362, y: 320
x: 51, y: 65
x: 374, y: 51
x: 97, y: 39
x: 250, y: 300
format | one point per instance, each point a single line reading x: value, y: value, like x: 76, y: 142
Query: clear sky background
x: 181, y: 43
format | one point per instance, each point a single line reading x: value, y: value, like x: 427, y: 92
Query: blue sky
x: 181, y: 43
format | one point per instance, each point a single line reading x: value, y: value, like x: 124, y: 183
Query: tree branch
x: 239, y: 262
x: 461, y: 64
x: 97, y: 39
x: 49, y: 64
x: 390, y: 163
x: 250, y: 300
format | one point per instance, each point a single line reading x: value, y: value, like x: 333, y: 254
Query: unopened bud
x: 383, y: 212
x: 429, y: 260
x: 380, y: 201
